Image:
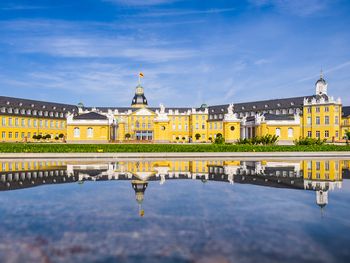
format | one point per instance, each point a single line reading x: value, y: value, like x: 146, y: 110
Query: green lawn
x: 80, y: 148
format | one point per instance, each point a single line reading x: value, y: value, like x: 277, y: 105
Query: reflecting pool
x: 177, y: 210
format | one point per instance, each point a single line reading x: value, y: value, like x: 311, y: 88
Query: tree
x: 197, y: 136
x: 34, y: 137
x: 39, y: 136
x: 177, y: 138
x: 219, y: 139
x: 61, y: 135
x: 347, y: 134
x: 56, y: 138
x: 127, y: 136
x: 183, y: 138
x: 47, y: 137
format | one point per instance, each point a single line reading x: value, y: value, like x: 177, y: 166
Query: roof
x: 280, y: 117
x: 90, y: 116
x: 18, y: 103
x: 346, y: 111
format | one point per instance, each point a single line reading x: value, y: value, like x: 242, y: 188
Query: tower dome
x: 139, y: 100
x: 321, y: 85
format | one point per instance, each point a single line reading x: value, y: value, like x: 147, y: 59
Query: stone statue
x: 162, y: 109
x: 230, y: 109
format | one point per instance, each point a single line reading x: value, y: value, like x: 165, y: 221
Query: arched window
x: 90, y: 132
x: 290, y: 132
x: 76, y: 132
x: 278, y: 132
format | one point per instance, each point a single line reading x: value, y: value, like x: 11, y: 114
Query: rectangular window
x: 23, y: 122
x: 10, y: 121
x: 309, y: 110
x: 336, y: 121
x: 278, y: 132
x: 309, y: 134
x: 318, y: 134
x: 3, y: 121
x: 16, y: 122
x: 326, y: 134
x: 3, y: 135
x: 16, y: 135
x: 29, y: 124
x: 46, y: 124
x: 326, y: 165
x: 318, y: 165
x: 22, y: 135
x: 10, y: 135
x: 210, y: 126
x: 317, y: 109
x: 28, y: 135
x: 290, y: 133
x: 336, y: 134
x: 180, y: 127
x: 309, y: 120
x: 174, y: 127
x: 326, y: 120
x: 318, y: 122
x: 196, y: 126
x: 41, y: 123
x: 203, y: 126
x: 326, y: 109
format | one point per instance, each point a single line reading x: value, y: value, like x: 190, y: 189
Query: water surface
x: 175, y: 211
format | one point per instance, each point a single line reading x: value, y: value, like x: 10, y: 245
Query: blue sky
x: 190, y: 51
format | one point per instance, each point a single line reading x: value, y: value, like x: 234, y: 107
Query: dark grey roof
x: 318, y: 97
x: 126, y: 109
x: 320, y: 80
x: 90, y: 116
x: 279, y: 117
x: 18, y: 103
x: 346, y: 111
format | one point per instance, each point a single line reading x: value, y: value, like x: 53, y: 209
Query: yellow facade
x: 22, y: 129
x: 318, y: 116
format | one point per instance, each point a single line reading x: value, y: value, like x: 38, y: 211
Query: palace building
x: 317, y: 116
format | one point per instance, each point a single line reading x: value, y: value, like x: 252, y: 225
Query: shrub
x: 219, y: 139
x: 47, y: 136
x: 309, y: 141
x: 127, y: 136
x: 183, y: 138
x: 177, y: 138
x: 56, y: 138
x: 197, y: 136
x: 39, y: 137
x: 267, y: 139
x: 61, y: 135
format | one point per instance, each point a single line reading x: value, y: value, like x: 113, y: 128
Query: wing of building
x: 317, y: 115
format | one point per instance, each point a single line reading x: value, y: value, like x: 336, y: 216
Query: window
x: 309, y: 110
x: 51, y: 124
x: 318, y: 165
x: 10, y: 121
x: 326, y: 109
x: 326, y: 165
x: 41, y: 123
x: 309, y: 134
x: 197, y: 126
x: 174, y: 127
x: 23, y: 122
x: 336, y: 121
x: 180, y: 127
x: 35, y: 123
x: 3, y: 121
x: 309, y: 120
x: 326, y: 119
x: 318, y: 134
x: 10, y: 135
x: 16, y: 122
x: 317, y: 109
x: 290, y: 133
x: 90, y: 132
x: 76, y: 132
x: 318, y: 121
x: 3, y: 135
x: 203, y: 126
x: 336, y: 134
x: 278, y: 132
x: 326, y: 134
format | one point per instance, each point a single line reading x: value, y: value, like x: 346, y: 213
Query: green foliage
x: 47, y: 136
x: 183, y: 138
x: 93, y: 148
x: 177, y: 138
x: 39, y: 137
x: 56, y: 138
x: 197, y: 136
x: 61, y: 135
x: 219, y: 139
x: 267, y: 139
x: 309, y: 141
x: 347, y: 134
x: 127, y: 136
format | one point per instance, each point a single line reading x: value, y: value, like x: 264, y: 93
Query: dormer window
x: 34, y: 112
x: 54, y: 107
x: 3, y: 109
x: 243, y: 108
x: 29, y: 112
x: 44, y: 106
x: 7, y: 102
x: 266, y: 106
x: 292, y: 103
x: 254, y: 107
x: 16, y: 111
x: 23, y: 111
x: 46, y: 113
x: 9, y: 110
x: 51, y: 114
x: 40, y: 113
x: 64, y: 109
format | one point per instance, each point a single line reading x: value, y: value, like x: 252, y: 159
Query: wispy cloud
x: 141, y: 2
x: 187, y: 12
x: 300, y: 8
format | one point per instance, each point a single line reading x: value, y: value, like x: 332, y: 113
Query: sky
x: 190, y: 51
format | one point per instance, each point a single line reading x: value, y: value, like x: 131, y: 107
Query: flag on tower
x: 141, y: 75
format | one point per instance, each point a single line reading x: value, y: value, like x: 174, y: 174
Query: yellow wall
x: 320, y: 111
x: 18, y: 129
x: 265, y: 129
x: 100, y: 133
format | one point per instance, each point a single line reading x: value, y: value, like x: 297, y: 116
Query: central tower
x: 139, y: 100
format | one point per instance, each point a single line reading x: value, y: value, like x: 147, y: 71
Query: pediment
x: 143, y: 112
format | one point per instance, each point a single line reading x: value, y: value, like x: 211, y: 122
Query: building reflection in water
x: 320, y: 176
